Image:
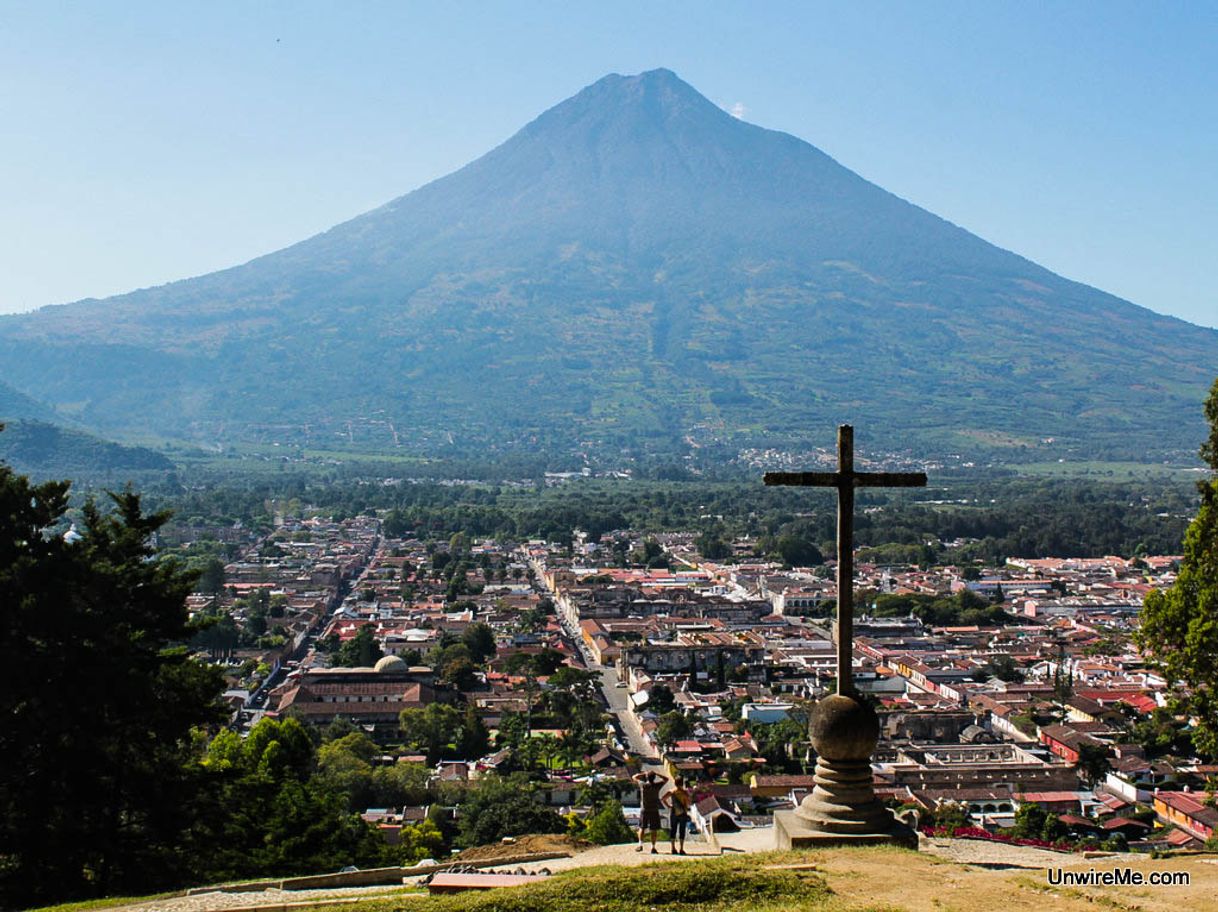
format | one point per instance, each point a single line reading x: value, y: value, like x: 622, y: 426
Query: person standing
x: 679, y: 802
x: 650, y: 783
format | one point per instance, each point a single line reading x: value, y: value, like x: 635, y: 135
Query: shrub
x: 608, y: 825
x: 504, y: 807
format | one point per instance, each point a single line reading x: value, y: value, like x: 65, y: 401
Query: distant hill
x: 18, y: 405
x: 633, y: 270
x: 48, y: 450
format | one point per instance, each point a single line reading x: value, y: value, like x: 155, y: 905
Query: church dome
x: 391, y: 665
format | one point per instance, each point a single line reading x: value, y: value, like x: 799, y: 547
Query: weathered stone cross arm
x: 845, y: 480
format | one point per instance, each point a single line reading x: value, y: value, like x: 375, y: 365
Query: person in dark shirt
x: 650, y: 784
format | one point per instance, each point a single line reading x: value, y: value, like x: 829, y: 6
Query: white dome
x: 391, y: 664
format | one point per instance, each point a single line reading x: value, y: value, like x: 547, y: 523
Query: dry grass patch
x: 715, y: 884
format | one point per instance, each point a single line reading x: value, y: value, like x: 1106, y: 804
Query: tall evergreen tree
x: 98, y: 700
x: 1179, y: 626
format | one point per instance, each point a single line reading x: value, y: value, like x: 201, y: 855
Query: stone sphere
x: 844, y: 728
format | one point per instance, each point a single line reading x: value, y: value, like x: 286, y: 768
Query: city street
x: 616, y: 698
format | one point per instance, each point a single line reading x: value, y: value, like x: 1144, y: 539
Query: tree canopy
x: 266, y: 812
x: 607, y: 825
x: 1179, y: 626
x: 108, y: 784
x: 361, y: 651
x: 963, y: 608
x: 98, y: 699
x: 500, y: 807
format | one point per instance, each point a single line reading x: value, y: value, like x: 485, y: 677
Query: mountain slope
x: 633, y: 265
x: 48, y: 450
x: 18, y: 405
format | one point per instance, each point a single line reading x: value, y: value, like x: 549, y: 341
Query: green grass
x: 1105, y: 471
x: 255, y: 459
x: 106, y: 903
x: 716, y: 884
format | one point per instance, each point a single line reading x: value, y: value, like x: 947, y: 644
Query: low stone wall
x: 368, y: 878
x: 372, y: 877
x: 247, y: 886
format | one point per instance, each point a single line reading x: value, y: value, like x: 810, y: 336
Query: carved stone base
x: 791, y: 832
x: 843, y: 800
x: 842, y: 808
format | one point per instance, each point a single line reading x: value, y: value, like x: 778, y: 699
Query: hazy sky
x: 145, y: 142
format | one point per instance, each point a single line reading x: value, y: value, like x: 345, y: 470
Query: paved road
x: 617, y: 698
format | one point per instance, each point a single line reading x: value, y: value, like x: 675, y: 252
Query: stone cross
x: 845, y: 479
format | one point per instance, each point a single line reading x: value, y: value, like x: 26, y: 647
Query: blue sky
x: 146, y: 142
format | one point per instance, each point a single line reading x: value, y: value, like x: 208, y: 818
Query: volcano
x: 633, y: 271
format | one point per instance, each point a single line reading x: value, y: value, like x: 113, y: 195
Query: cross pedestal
x: 842, y: 808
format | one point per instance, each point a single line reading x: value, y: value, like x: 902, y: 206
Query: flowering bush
x: 972, y: 832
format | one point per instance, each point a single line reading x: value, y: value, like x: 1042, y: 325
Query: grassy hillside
x: 712, y: 885
x: 831, y: 880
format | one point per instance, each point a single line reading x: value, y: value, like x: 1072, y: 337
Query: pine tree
x: 98, y: 700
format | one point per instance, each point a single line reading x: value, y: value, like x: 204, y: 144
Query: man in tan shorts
x: 650, y: 784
